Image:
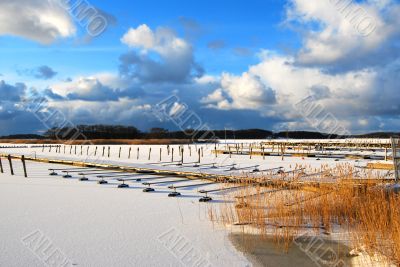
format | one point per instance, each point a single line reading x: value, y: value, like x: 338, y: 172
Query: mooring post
x: 11, y: 166
x: 75, y: 149
x: 190, y: 151
x: 81, y: 150
x: 104, y: 150
x: 149, y: 153
x: 64, y: 149
x: 1, y: 166
x: 87, y: 151
x: 168, y: 149
x: 24, y: 166
x: 202, y: 152
x: 129, y: 153
x: 182, y: 155
x: 386, y: 153
x: 119, y: 154
x: 199, y: 155
x: 109, y: 151
x: 262, y: 148
x: 160, y: 153
x: 95, y: 151
x: 172, y: 153
x: 137, y: 155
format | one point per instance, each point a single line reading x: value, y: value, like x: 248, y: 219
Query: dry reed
x: 349, y: 200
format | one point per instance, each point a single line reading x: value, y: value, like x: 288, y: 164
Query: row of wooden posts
x: 107, y: 152
x: 9, y: 158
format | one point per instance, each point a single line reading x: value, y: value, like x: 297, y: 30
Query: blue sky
x: 241, y: 64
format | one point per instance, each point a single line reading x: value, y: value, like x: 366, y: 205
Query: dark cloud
x: 12, y: 93
x: 11, y: 96
x: 320, y: 92
x: 45, y: 72
x: 145, y: 69
x: 42, y: 72
x: 216, y: 44
x: 50, y: 94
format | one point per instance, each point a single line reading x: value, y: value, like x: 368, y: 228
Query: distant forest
x: 81, y: 132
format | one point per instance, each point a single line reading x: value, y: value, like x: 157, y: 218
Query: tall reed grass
x: 325, y: 200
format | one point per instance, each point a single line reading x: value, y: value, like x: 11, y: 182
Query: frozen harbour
x: 53, y: 221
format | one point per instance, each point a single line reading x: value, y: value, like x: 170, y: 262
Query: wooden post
x: 129, y: 153
x: 43, y: 148
x: 230, y: 154
x: 11, y: 166
x: 137, y: 155
x: 70, y: 150
x: 75, y: 149
x: 202, y: 152
x: 24, y: 166
x: 49, y: 148
x: 149, y: 153
x: 119, y: 154
x: 168, y: 149
x: 95, y: 151
x: 81, y: 150
x: 1, y: 166
x: 182, y: 155
x: 199, y: 155
x: 250, y: 151
x: 263, y: 153
x: 87, y: 151
x: 109, y: 151
x: 190, y: 151
x: 64, y: 149
x: 172, y: 153
x: 104, y: 148
x: 386, y: 154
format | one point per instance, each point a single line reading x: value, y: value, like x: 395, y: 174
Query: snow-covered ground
x: 49, y: 220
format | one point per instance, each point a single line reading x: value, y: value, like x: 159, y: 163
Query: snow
x: 101, y: 225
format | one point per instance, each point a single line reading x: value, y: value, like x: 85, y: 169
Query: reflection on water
x: 304, y: 252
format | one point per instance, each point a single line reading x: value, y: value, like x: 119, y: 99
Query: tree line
x: 101, y: 131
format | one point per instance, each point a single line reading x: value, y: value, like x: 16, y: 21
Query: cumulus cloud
x: 346, y: 34
x: 160, y: 56
x: 241, y: 92
x: 84, y: 88
x: 37, y: 20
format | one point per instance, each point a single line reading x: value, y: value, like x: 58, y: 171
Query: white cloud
x: 174, y: 61
x: 37, y: 20
x: 344, y: 30
x: 244, y: 92
x: 162, y: 41
x: 142, y: 37
x: 98, y: 87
